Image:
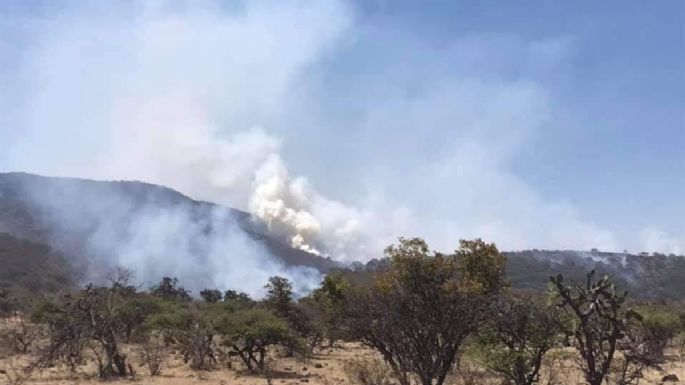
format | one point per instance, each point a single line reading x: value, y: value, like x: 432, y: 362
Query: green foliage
x: 169, y: 289
x: 481, y: 266
x: 659, y: 326
x: 517, y: 337
x: 166, y: 316
x: 211, y: 295
x: 324, y: 309
x: 421, y: 310
x: 50, y: 312
x: 92, y: 316
x: 250, y: 332
x: 279, y: 295
x: 239, y: 299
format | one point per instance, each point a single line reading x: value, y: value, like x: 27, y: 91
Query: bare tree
x: 600, y: 321
x: 91, y: 316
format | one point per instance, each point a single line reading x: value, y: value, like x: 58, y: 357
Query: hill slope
x: 94, y: 223
x: 652, y: 277
x: 29, y: 267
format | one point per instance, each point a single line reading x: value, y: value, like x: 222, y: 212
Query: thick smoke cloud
x: 338, y: 136
x: 153, y: 231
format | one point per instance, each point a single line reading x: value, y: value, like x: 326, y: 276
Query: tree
x: 250, y: 332
x: 197, y: 341
x: 481, y: 266
x: 419, y: 312
x: 327, y: 303
x: 517, y: 337
x: 169, y: 289
x: 657, y: 329
x: 601, y: 322
x: 239, y: 299
x: 279, y: 295
x: 91, y: 316
x: 211, y: 295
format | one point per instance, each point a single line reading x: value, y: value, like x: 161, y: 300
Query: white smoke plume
x: 163, y: 93
x: 308, y: 219
x: 233, y: 104
x: 282, y: 203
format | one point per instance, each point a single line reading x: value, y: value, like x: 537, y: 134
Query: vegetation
x: 421, y: 310
x: 601, y: 326
x: 515, y: 340
x: 428, y: 316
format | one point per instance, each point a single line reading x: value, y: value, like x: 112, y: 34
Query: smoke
x: 153, y: 231
x: 654, y: 238
x: 338, y: 136
x: 166, y: 94
x: 283, y: 204
x: 310, y: 221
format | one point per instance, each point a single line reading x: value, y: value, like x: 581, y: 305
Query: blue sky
x: 532, y: 124
x: 620, y: 151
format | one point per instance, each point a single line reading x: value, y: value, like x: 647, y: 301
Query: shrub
x: 421, y: 310
x: 369, y: 371
x: 517, y: 338
x: 250, y: 332
x: 656, y: 330
x: 153, y: 355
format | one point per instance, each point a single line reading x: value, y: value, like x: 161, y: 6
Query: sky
x: 345, y: 124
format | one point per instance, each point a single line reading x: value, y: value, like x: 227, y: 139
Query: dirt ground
x: 325, y: 368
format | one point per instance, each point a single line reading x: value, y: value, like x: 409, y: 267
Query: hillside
x: 87, y: 221
x: 29, y: 267
x: 651, y: 277
x: 51, y: 221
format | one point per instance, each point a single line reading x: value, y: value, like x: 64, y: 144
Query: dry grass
x: 330, y: 366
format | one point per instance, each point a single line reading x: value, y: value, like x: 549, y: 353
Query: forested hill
x: 72, y: 215
x: 646, y: 276
x: 39, y: 237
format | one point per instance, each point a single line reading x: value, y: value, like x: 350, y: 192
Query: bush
x: 368, y: 372
x: 517, y: 338
x: 658, y: 328
x: 250, y: 332
x: 419, y: 312
x: 153, y: 355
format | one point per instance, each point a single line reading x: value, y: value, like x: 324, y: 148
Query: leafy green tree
x: 211, y: 295
x: 327, y: 306
x: 481, y: 266
x: 250, y: 332
x: 239, y: 299
x: 167, y: 318
x: 279, y: 295
x: 419, y: 312
x: 169, y: 289
x: 517, y: 337
x: 658, y: 327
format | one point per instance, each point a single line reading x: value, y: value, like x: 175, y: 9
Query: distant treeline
x: 646, y: 276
